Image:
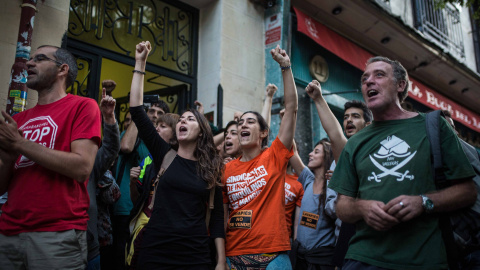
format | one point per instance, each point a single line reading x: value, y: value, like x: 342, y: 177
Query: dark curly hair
x: 210, y: 164
x: 367, y: 114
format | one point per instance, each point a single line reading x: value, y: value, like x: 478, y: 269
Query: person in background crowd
x: 254, y: 186
x: 385, y: 183
x: 127, y: 121
x: 142, y: 187
x: 315, y: 242
x: 356, y: 117
x: 469, y: 257
x: 293, y: 196
x: 107, y: 193
x: 109, y: 86
x: 132, y: 152
x: 46, y: 156
x: 176, y: 236
x: 105, y: 157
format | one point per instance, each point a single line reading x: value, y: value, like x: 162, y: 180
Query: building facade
x: 217, y: 52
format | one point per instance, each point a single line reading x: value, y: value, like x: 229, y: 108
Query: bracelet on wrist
x: 285, y: 68
x: 138, y: 71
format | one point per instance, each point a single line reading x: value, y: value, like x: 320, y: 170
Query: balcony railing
x: 385, y: 4
x: 441, y: 26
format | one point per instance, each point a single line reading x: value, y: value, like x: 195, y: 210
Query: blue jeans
x: 94, y: 264
x: 282, y: 262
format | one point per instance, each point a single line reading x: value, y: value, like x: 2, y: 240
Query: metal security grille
x: 441, y: 26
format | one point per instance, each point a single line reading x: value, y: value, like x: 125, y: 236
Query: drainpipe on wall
x: 17, y: 90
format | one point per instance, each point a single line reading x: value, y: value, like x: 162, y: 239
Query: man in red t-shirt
x: 46, y: 156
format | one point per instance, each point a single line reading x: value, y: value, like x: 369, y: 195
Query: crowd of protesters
x: 168, y: 193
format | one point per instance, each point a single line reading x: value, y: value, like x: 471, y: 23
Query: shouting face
x: 232, y: 142
x: 188, y: 129
x: 250, y: 132
x: 353, y: 121
x: 379, y: 87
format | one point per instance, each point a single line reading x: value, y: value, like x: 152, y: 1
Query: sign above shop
x: 357, y: 57
x: 319, y: 68
x: 273, y: 31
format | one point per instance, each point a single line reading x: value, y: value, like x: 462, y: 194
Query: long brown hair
x: 326, y: 163
x: 210, y: 164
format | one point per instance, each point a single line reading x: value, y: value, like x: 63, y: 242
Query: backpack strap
x: 432, y: 121
x: 210, y: 206
x: 167, y: 160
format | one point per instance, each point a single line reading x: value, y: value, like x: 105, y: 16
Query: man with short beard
x: 46, y: 156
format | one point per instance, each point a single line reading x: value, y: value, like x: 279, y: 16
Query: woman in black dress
x: 177, y: 235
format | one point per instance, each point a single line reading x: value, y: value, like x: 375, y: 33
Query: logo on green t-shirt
x: 392, y: 156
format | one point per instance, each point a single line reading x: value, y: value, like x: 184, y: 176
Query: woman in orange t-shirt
x: 254, y: 186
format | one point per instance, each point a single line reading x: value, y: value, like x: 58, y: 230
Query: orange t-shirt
x: 255, y: 193
x: 293, y: 197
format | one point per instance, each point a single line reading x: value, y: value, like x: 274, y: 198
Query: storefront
x: 320, y: 53
x: 103, y: 34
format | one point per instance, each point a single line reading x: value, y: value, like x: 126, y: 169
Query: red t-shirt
x: 40, y: 199
x: 255, y: 192
x: 293, y: 197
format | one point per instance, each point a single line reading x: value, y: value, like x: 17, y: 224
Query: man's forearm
x: 348, y: 209
x: 455, y: 197
x: 109, y: 150
x: 129, y: 138
x: 76, y: 165
x: 109, y: 119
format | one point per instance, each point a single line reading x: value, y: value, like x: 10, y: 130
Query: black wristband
x: 138, y: 71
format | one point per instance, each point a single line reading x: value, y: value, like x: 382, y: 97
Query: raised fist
x: 142, y: 50
x: 280, y: 56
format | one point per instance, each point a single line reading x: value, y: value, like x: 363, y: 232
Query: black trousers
x: 121, y: 233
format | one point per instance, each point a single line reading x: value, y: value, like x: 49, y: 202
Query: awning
x: 357, y: 57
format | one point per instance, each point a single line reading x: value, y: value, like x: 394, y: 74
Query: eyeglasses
x: 42, y: 57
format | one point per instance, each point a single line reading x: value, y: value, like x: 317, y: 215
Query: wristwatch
x: 427, y: 204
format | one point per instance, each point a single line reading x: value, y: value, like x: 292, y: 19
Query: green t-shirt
x: 383, y: 161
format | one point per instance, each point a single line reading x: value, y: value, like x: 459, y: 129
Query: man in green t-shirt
x: 385, y: 182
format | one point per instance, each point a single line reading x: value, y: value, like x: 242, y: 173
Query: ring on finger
x: 401, y: 204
